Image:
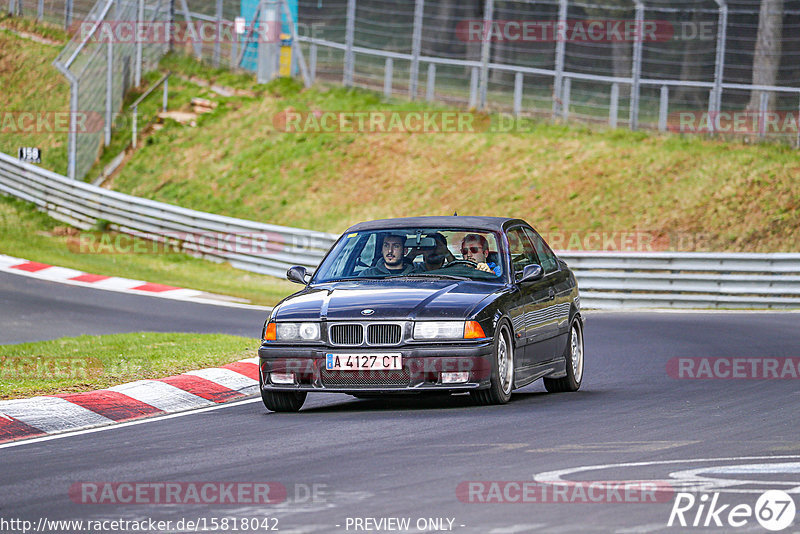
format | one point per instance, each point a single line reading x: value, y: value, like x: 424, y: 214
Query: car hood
x: 388, y: 300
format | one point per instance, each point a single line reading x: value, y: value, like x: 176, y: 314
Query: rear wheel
x: 573, y: 354
x: 281, y: 401
x: 502, y: 379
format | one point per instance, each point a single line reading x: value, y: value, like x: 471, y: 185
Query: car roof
x: 452, y: 221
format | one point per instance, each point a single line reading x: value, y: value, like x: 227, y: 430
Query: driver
x: 393, y: 262
x: 475, y: 247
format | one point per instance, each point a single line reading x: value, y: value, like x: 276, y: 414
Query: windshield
x: 444, y: 253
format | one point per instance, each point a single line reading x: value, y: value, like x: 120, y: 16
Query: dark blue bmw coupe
x: 426, y: 304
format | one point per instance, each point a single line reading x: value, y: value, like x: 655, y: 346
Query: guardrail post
x: 486, y: 49
x: 416, y: 44
x: 613, y: 108
x: 431, y: 89
x: 636, y: 67
x: 561, y: 43
x: 387, y: 77
x: 517, y: 94
x: 349, y: 36
x: 663, y: 108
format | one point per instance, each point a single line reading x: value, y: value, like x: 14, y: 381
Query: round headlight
x: 426, y: 330
x: 287, y: 330
x: 309, y: 331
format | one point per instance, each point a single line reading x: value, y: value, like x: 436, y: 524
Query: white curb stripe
x: 250, y: 360
x: 161, y: 395
x: 52, y: 414
x: 228, y: 379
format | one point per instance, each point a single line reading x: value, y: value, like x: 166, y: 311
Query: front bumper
x: 422, y: 368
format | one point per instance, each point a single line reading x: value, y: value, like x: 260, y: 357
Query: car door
x: 556, y: 311
x: 535, y: 296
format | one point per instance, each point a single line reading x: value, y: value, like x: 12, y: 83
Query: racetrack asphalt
x: 411, y: 458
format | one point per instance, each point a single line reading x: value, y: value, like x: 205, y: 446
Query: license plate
x: 364, y: 362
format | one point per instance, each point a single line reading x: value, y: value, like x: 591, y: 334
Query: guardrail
x: 606, y: 280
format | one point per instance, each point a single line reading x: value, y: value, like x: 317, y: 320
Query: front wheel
x: 281, y: 401
x: 573, y: 354
x: 502, y: 379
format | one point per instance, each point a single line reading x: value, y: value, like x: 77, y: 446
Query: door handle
x: 552, y: 293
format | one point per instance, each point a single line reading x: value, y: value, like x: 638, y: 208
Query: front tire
x: 502, y: 379
x: 281, y: 401
x: 573, y: 354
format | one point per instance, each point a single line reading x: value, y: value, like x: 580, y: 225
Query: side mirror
x: 297, y: 274
x: 531, y: 273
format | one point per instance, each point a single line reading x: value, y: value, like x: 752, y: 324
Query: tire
x: 282, y: 401
x: 502, y: 379
x: 573, y: 354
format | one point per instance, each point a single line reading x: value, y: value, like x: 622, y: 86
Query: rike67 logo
x: 774, y: 510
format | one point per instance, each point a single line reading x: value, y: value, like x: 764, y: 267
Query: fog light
x: 455, y: 378
x: 282, y: 378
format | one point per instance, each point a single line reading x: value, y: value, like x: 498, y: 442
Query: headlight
x: 297, y: 331
x: 439, y: 330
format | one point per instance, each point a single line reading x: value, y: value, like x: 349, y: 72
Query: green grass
x: 30, y: 234
x: 732, y: 196
x: 85, y: 363
x: 30, y: 83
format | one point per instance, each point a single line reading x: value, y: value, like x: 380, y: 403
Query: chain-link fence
x: 690, y: 66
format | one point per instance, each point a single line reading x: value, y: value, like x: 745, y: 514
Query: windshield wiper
x: 445, y: 276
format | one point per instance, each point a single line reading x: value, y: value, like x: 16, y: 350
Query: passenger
x: 475, y: 247
x: 394, y: 263
x: 433, y: 258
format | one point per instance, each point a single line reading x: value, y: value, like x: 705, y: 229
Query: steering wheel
x: 461, y: 262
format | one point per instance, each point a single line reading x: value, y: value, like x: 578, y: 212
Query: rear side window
x: 546, y: 257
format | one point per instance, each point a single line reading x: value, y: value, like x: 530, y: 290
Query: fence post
x: 719, y: 64
x: 134, y: 125
x: 798, y: 129
x: 762, y: 114
x: 217, y: 33
x: 430, y: 93
x: 613, y: 108
x: 349, y: 36
x: 138, y: 66
x: 663, y: 108
x: 565, y: 100
x: 517, y: 94
x: 416, y: 44
x: 486, y: 49
x: 636, y: 67
x: 165, y: 97
x: 387, y: 77
x: 312, y: 62
x: 473, y: 87
x: 561, y: 44
x: 109, y: 86
x: 268, y: 45
x: 68, y: 21
x: 40, y: 10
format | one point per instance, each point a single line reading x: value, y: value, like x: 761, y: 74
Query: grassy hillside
x: 687, y: 191
x: 29, y: 82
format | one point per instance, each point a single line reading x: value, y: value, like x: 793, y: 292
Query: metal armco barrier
x: 606, y: 279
